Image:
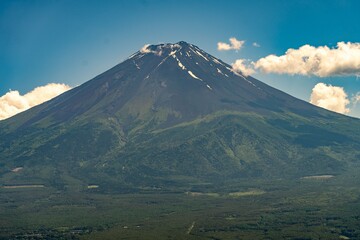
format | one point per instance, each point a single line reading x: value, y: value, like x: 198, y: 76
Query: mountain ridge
x: 169, y: 115
x: 137, y: 55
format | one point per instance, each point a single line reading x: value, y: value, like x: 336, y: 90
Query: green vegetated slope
x: 169, y: 117
x: 218, y: 147
x: 172, y: 144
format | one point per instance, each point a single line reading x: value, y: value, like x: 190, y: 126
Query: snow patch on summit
x: 218, y: 62
x: 202, y: 55
x: 133, y: 55
x: 137, y: 66
x: 198, y: 53
x: 159, y: 49
x: 179, y: 63
x: 193, y: 75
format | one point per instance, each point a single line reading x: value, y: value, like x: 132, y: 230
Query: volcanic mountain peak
x: 187, y: 57
x: 173, y: 110
x: 165, y: 47
x: 159, y: 49
x: 174, y: 82
x: 178, y: 77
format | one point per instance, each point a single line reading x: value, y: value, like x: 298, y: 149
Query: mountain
x: 172, y: 115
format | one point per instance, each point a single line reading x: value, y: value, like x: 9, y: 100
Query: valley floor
x: 308, y: 208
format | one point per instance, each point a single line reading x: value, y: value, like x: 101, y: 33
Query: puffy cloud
x: 145, y: 49
x: 330, y: 97
x: 321, y: 61
x: 234, y: 45
x: 13, y: 102
x: 255, y: 44
x: 240, y: 66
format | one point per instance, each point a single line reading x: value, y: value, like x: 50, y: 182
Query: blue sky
x: 72, y: 41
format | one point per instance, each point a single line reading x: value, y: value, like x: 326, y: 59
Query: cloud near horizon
x: 322, y: 61
x: 343, y: 60
x: 241, y: 67
x: 234, y: 45
x: 330, y: 97
x: 13, y: 102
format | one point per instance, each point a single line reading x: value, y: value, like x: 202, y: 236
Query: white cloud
x: 13, y: 102
x: 240, y: 66
x: 255, y: 44
x: 234, y: 45
x: 321, y: 61
x: 356, y: 98
x: 145, y: 49
x: 330, y: 97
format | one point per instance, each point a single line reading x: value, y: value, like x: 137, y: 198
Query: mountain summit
x: 170, y: 115
x: 180, y: 79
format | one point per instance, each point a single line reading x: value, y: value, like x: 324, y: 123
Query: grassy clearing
x: 197, y: 194
x: 319, y: 177
x: 254, y: 192
x: 22, y: 186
